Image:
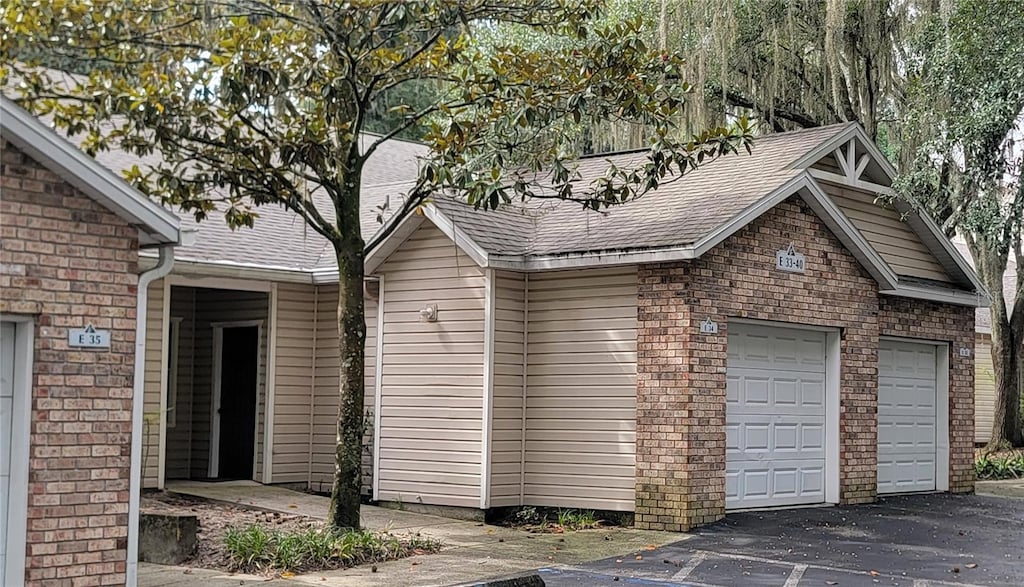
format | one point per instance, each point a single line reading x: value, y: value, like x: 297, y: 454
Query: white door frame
x: 833, y: 380
x: 942, y: 350
x: 21, y: 417
x: 218, y: 343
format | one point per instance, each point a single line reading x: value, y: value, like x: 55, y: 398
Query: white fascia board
x: 848, y: 234
x: 587, y: 260
x: 231, y: 269
x: 458, y: 236
x: 857, y: 183
x: 157, y: 226
x: 946, y: 296
x: 921, y: 223
x: 748, y: 215
x: 390, y: 244
x: 953, y: 262
x: 852, y: 131
x: 410, y: 223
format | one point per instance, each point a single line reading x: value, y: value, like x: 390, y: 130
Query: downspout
x: 162, y: 268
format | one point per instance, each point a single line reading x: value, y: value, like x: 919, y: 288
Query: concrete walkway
x: 1004, y: 488
x: 472, y: 550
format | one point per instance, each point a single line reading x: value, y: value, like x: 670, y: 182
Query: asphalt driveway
x: 911, y: 541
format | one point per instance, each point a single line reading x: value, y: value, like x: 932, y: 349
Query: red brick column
x: 953, y: 324
x: 68, y: 262
x: 681, y: 373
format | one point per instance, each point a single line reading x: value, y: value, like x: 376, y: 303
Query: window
x: 172, y: 371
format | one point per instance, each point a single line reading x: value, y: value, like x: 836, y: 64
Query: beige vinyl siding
x: 984, y: 389
x: 507, y: 410
x: 887, y: 233
x: 152, y: 386
x: 432, y: 374
x: 294, y: 347
x: 325, y: 398
x: 581, y: 389
x: 179, y: 420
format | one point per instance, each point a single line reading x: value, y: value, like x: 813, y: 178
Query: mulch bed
x: 215, y: 519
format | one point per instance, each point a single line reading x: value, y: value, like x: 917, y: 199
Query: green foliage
x: 528, y: 516
x: 249, y: 547
x: 233, y: 106
x: 552, y: 520
x: 256, y: 548
x: 993, y: 466
x: 263, y: 103
x: 967, y: 100
x: 577, y: 519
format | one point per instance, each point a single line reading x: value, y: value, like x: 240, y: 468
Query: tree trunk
x: 1006, y: 426
x: 1006, y: 347
x: 345, y: 493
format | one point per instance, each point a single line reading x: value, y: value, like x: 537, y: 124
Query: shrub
x: 255, y: 548
x: 993, y: 466
x: 249, y: 547
x: 577, y: 519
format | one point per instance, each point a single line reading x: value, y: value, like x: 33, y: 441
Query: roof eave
x: 156, y: 225
x: 976, y: 299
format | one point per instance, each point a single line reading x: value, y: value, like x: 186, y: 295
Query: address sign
x: 89, y: 337
x: 790, y: 260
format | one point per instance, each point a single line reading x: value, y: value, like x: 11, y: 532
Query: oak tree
x: 251, y: 103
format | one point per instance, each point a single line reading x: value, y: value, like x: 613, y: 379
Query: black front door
x: 239, y: 364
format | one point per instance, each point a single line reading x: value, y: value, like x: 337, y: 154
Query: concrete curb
x: 1013, y: 488
x: 528, y: 580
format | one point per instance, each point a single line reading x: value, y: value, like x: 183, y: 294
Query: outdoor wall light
x: 428, y: 313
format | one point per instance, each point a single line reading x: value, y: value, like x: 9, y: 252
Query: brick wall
x: 68, y: 261
x: 954, y: 324
x: 681, y: 379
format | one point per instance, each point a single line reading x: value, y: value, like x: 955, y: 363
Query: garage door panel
x: 775, y: 417
x: 904, y: 474
x: 907, y: 424
x: 753, y: 390
x: 777, y: 438
x: 775, y: 483
x: 899, y: 436
x: 909, y: 395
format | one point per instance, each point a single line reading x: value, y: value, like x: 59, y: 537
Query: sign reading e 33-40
x: 790, y: 260
x: 89, y: 337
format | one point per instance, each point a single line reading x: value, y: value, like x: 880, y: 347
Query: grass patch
x: 994, y: 466
x: 536, y: 519
x: 255, y: 548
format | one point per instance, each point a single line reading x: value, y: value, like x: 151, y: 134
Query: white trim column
x: 269, y: 385
x: 488, y: 390
x: 377, y: 387
x: 21, y: 416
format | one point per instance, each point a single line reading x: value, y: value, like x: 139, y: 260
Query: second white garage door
x: 775, y: 417
x: 906, y: 417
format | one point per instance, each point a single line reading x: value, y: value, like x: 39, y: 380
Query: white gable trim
x: 409, y: 224
x: 157, y: 226
x: 458, y: 236
x: 931, y: 234
x: 923, y: 225
x: 390, y: 244
x: 853, y: 131
x: 979, y: 299
x: 826, y: 210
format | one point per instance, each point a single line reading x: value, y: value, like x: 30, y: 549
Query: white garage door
x: 6, y: 422
x: 906, y: 417
x: 775, y: 417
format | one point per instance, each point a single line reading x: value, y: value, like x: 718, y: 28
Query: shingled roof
x: 679, y: 212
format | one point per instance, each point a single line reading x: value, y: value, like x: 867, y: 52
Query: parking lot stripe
x: 697, y: 558
x: 795, y: 576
